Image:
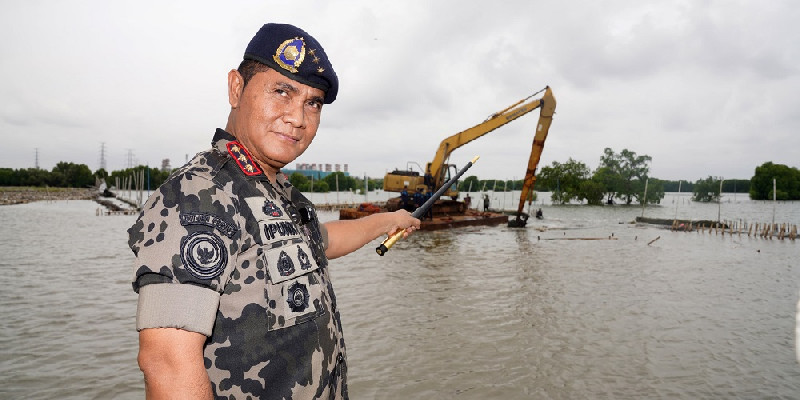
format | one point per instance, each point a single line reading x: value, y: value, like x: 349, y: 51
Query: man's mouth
x: 287, y: 137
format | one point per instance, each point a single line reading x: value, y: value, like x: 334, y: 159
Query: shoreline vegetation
x: 25, y: 194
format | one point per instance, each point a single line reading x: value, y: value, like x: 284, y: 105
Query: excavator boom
x: 545, y: 119
x: 437, y: 168
x: 436, y: 171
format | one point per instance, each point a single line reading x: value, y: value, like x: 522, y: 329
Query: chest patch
x: 297, y: 297
x: 271, y: 209
x: 280, y: 230
x: 302, y: 257
x: 285, y: 264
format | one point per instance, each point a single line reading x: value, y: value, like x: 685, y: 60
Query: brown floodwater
x: 582, y: 304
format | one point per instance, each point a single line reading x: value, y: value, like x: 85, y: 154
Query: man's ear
x: 235, y: 88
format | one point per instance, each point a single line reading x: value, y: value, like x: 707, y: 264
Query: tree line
x: 67, y: 174
x: 620, y: 177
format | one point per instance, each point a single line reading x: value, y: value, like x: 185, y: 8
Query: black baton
x: 419, y: 212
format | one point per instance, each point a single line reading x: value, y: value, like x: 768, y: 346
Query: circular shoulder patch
x: 204, y: 254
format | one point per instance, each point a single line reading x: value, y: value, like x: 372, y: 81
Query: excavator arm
x: 437, y: 168
x: 545, y: 119
x: 436, y: 171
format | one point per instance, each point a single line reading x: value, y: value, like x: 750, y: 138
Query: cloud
x: 705, y: 88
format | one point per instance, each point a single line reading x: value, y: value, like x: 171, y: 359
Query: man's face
x: 275, y: 117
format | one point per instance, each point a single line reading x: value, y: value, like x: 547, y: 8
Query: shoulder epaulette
x: 243, y: 159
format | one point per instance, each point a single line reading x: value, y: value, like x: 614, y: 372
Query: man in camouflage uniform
x: 235, y: 297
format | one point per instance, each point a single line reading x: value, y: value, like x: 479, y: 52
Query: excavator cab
x: 449, y: 172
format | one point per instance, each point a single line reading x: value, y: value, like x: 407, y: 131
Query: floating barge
x: 439, y: 221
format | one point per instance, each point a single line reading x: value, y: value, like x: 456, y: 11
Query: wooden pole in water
x: 644, y: 201
x: 140, y: 193
x: 774, y: 199
x: 719, y: 207
x: 494, y: 190
x: 503, y: 203
x: 134, y: 179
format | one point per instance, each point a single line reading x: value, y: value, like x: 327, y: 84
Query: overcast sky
x: 703, y: 87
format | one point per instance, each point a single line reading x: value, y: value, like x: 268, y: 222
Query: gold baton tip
x: 475, y: 159
x: 389, y: 242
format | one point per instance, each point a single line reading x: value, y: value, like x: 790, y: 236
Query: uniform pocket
x: 293, y: 289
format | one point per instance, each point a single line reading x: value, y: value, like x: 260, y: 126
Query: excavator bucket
x: 518, y: 220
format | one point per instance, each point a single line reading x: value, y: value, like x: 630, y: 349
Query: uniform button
x: 340, y: 357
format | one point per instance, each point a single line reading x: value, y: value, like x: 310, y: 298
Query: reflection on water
x: 472, y: 313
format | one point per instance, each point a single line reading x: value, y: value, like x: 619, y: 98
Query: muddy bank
x: 22, y: 195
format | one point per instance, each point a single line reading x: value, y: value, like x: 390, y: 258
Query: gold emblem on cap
x: 290, y: 54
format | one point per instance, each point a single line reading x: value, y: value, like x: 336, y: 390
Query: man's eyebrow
x: 293, y: 89
x: 287, y: 87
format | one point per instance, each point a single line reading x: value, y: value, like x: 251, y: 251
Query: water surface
x: 576, y: 306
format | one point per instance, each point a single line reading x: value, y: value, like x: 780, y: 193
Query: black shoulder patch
x: 204, y: 254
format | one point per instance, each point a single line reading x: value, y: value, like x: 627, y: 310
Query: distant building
x: 315, y: 171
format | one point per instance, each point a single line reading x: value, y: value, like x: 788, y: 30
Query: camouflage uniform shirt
x: 222, y: 251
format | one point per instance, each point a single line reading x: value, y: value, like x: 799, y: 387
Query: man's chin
x: 281, y: 159
x: 278, y: 163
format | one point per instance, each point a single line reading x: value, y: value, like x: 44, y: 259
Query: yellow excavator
x: 438, y: 171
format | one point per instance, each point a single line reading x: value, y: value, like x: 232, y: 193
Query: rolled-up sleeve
x: 168, y: 305
x: 186, y: 243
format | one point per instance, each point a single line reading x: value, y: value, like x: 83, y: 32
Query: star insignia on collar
x: 320, y: 70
